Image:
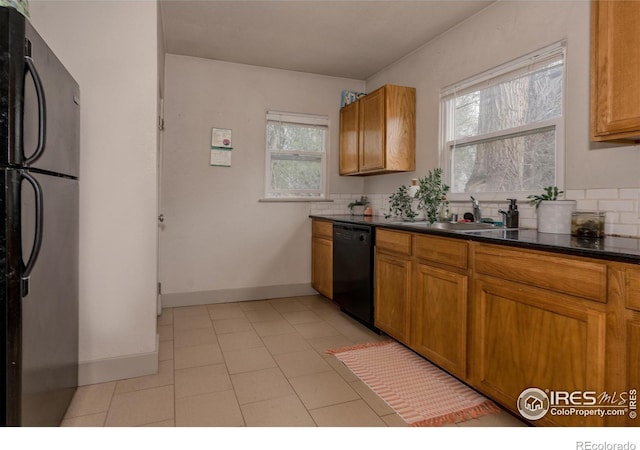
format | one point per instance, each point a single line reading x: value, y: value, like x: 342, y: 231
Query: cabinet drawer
x: 632, y: 291
x: 393, y: 241
x: 452, y: 252
x: 322, y: 228
x: 578, y: 277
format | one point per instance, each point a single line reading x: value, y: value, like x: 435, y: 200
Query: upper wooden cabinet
x: 349, y: 139
x: 378, y: 132
x: 615, y: 71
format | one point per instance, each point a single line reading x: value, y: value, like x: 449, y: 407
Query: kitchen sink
x: 452, y: 226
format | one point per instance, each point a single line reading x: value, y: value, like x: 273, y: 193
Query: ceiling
x: 351, y: 39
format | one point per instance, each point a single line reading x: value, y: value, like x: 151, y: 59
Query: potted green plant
x: 553, y: 214
x: 401, y: 204
x: 357, y: 207
x: 431, y: 193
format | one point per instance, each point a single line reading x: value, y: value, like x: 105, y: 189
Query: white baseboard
x: 119, y: 368
x: 236, y: 295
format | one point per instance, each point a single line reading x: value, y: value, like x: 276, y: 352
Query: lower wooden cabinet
x: 322, y: 257
x: 393, y: 284
x: 623, y: 337
x: 439, y: 328
x: 421, y: 288
x: 525, y: 337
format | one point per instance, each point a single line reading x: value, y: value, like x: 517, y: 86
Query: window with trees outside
x: 296, y: 156
x: 503, y: 130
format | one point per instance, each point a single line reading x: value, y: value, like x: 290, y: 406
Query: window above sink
x: 503, y: 130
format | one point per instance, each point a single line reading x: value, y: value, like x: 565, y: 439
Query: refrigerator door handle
x: 37, y: 241
x: 42, y: 113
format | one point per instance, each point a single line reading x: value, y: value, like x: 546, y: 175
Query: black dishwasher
x: 353, y: 270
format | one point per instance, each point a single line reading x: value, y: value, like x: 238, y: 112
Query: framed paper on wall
x: 221, y: 138
x: 221, y: 146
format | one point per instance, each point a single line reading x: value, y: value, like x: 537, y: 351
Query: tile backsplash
x: 622, y: 207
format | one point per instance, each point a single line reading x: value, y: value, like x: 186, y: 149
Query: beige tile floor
x: 256, y: 364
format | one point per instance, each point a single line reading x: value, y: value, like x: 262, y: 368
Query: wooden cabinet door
x: 322, y: 266
x: 527, y: 337
x: 392, y: 295
x: 439, y: 328
x: 615, y: 65
x: 372, y: 131
x: 349, y: 139
x: 400, y: 122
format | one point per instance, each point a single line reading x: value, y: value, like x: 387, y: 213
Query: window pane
x: 518, y: 163
x: 292, y: 137
x: 296, y: 173
x: 530, y: 98
x: 295, y: 156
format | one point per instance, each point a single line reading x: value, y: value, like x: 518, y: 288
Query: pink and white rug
x: 421, y: 393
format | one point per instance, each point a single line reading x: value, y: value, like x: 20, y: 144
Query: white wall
x: 218, y: 241
x: 111, y: 50
x: 500, y: 33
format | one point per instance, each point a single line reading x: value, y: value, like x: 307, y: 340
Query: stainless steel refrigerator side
x: 10, y: 298
x: 12, y: 29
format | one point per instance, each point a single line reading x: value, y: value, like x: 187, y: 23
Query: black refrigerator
x: 39, y: 164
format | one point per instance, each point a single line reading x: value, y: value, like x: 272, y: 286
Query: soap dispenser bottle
x: 512, y: 215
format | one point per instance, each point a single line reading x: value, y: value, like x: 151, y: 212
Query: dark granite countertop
x: 613, y: 248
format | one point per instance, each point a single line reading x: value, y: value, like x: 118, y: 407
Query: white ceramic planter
x: 554, y: 216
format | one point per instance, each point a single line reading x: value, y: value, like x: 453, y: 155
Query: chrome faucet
x: 477, y: 215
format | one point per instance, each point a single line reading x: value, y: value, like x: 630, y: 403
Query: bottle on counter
x: 413, y: 189
x: 512, y: 215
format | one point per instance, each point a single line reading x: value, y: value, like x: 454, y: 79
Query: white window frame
x: 510, y: 70
x: 311, y: 120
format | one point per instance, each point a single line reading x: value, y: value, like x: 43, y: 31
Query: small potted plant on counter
x: 401, y: 204
x: 357, y: 207
x: 431, y: 194
x: 553, y: 214
x: 423, y: 199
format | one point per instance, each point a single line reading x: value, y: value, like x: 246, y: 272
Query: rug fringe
x: 333, y: 351
x: 483, y: 409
